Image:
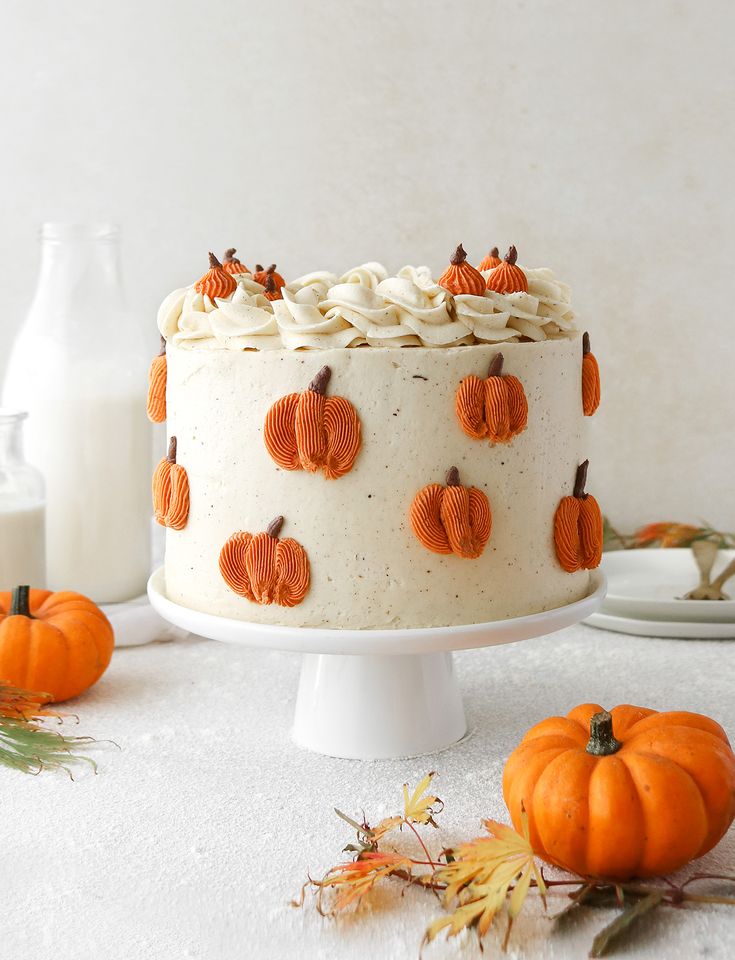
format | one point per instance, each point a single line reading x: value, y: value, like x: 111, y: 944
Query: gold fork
x: 705, y: 554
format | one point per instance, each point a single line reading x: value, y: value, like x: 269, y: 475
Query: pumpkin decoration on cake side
x: 491, y: 261
x: 452, y: 518
x: 495, y: 408
x: 621, y: 794
x: 310, y: 431
x: 216, y: 282
x: 590, y: 378
x: 261, y: 275
x: 54, y: 643
x: 508, y: 276
x: 264, y: 569
x: 461, y: 277
x: 272, y: 290
x: 578, y: 527
x: 157, y: 373
x: 171, y: 491
x: 231, y: 264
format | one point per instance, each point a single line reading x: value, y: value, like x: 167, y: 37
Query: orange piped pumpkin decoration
x: 310, y: 431
x: 261, y: 275
x: 230, y: 263
x: 156, y: 403
x: 578, y: 527
x: 491, y: 261
x: 452, y: 519
x: 264, y: 569
x: 590, y: 379
x: 272, y: 291
x: 495, y: 408
x: 508, y: 276
x: 216, y: 282
x: 171, y: 491
x: 461, y: 277
x: 56, y: 643
x: 629, y: 793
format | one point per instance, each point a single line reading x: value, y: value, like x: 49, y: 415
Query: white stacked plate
x: 644, y: 591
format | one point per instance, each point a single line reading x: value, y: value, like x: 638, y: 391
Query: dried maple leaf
x: 668, y: 534
x: 419, y: 808
x: 351, y: 881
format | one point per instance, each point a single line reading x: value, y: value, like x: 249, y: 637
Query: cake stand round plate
x: 376, y: 694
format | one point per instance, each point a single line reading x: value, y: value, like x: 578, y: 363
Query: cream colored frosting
x: 365, y: 306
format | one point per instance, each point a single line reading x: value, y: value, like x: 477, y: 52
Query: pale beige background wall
x: 599, y: 137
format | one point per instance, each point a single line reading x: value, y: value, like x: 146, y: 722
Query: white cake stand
x: 376, y: 694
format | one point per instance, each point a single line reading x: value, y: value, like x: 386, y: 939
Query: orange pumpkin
x: 156, y: 403
x: 54, y: 643
x: 590, y: 379
x: 452, y: 519
x: 629, y: 793
x: 491, y: 261
x: 261, y: 275
x: 461, y: 277
x: 309, y: 431
x: 508, y: 276
x: 578, y: 527
x: 171, y: 491
x: 495, y: 408
x: 230, y: 263
x: 264, y: 569
x: 216, y: 282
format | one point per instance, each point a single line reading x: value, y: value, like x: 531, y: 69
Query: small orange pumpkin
x: 216, y: 282
x: 171, y: 491
x: 54, y: 643
x: 590, y: 379
x: 495, y: 408
x: 578, y: 527
x: 261, y: 275
x: 309, y: 431
x: 156, y: 403
x: 230, y: 263
x: 508, y: 276
x: 491, y: 261
x: 629, y: 793
x: 264, y: 569
x: 452, y: 519
x: 461, y: 276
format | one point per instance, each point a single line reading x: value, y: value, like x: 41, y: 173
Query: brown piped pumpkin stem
x: 585, y: 344
x: 213, y: 261
x: 512, y: 255
x: 258, y: 267
x: 20, y: 604
x: 459, y: 256
x: 230, y: 254
x: 580, y: 480
x: 495, y: 253
x: 270, y: 284
x: 274, y: 527
x: 171, y: 455
x: 271, y: 268
x: 320, y: 381
x: 453, y: 477
x: 602, y: 741
x: 496, y: 366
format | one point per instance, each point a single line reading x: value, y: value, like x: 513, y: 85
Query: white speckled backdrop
x: 598, y: 137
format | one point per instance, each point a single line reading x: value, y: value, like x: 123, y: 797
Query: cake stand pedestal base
x: 376, y: 707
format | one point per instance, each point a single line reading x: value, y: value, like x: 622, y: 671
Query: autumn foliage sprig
x: 478, y: 880
x: 664, y: 534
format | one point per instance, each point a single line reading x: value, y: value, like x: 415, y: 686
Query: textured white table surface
x: 193, y: 837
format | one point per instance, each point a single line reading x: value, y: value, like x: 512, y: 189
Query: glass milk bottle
x: 79, y: 366
x: 22, y: 535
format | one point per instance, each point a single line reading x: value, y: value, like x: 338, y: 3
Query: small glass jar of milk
x: 78, y: 365
x: 22, y: 534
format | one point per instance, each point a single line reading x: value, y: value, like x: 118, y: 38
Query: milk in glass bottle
x: 78, y: 366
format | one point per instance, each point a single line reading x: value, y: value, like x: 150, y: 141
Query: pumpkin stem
x: 274, y: 527
x: 270, y: 284
x: 580, y: 480
x: 602, y: 741
x: 459, y: 256
x: 213, y: 261
x: 271, y: 268
x: 230, y: 254
x: 495, y: 253
x: 20, y: 605
x: 258, y: 267
x: 511, y: 256
x: 171, y: 455
x: 453, y: 477
x: 320, y: 381
x: 162, y: 352
x: 496, y: 366
x: 585, y: 344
